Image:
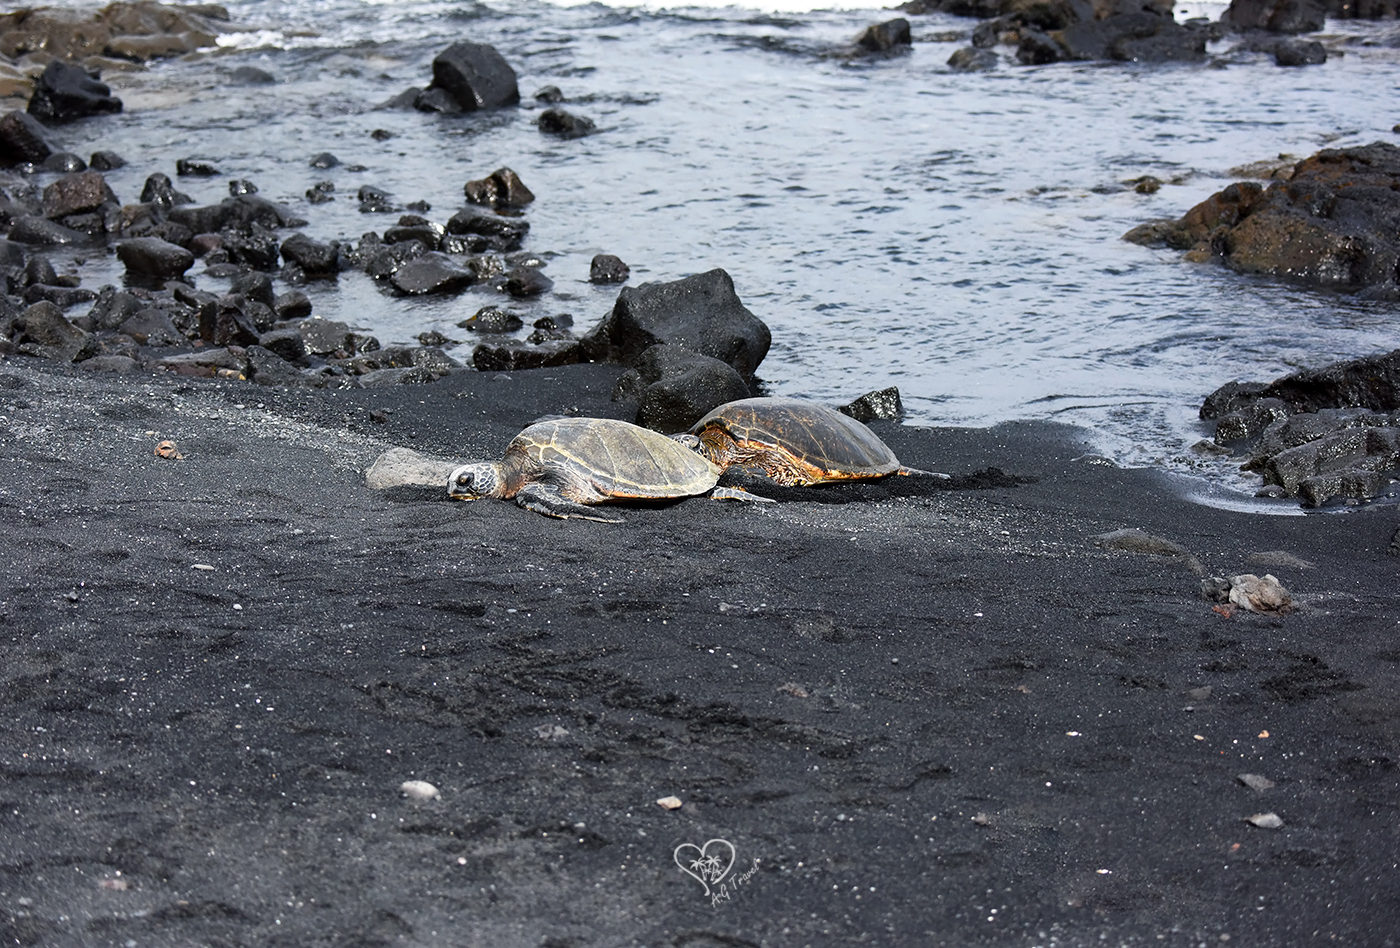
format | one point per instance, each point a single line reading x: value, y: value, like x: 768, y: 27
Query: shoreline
x: 896, y: 698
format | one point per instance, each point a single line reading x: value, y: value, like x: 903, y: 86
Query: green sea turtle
x: 563, y: 466
x: 793, y: 442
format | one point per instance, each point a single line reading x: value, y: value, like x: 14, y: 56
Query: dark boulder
x: 324, y: 160
x: 1276, y: 16
x: 476, y: 76
x: 23, y: 139
x: 314, y: 258
x: 63, y: 162
x: 701, y: 313
x: 31, y: 229
x: 1037, y: 49
x: 890, y: 36
x: 195, y: 168
x: 1300, y: 53
x: 436, y: 100
x: 44, y: 324
x: 526, y: 282
x: 63, y: 93
x: 106, y: 161
x: 509, y: 356
x: 285, y: 343
x: 884, y: 404
x: 326, y: 337
x: 76, y: 193
x: 293, y: 304
x: 607, y: 268
x: 160, y: 192
x: 676, y: 387
x: 63, y: 297
x: 153, y: 257
x: 374, y: 201
x: 564, y: 124
x: 112, y: 308
x: 152, y: 326
x: 972, y: 59
x: 501, y: 188
x: 232, y: 326
x: 549, y: 95
x: 431, y: 273
x: 426, y: 233
x: 251, y: 76
x: 39, y: 269
x: 1133, y: 37
x: 497, y: 233
x: 321, y: 192
x: 257, y: 247
x: 256, y: 287
x: 1330, y: 223
x: 241, y: 186
x: 266, y: 367
x: 492, y: 319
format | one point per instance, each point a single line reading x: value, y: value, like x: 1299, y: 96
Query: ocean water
x: 894, y: 222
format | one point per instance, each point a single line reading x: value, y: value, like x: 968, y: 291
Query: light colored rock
x: 404, y: 467
x: 1255, y: 782
x: 669, y: 803
x: 1260, y: 594
x: 419, y: 790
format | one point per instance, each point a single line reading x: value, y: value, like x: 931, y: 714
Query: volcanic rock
x: 501, y: 188
x: 151, y: 256
x: 509, y: 356
x: 195, y: 168
x: 607, y: 268
x: 886, y: 37
x: 476, y: 76
x: 1276, y: 16
x: 1299, y: 53
x: 160, y: 191
x: 23, y: 138
x: 75, y: 193
x: 30, y: 229
x: 1331, y: 223
x: 431, y: 272
x: 492, y: 319
x: 525, y: 282
x: 64, y: 93
x: 701, y: 313
x: 675, y: 387
x: 152, y: 326
x: 884, y: 404
x: 498, y: 233
x: 63, y: 162
x: 106, y: 161
x: 314, y: 257
x: 564, y: 124
x: 972, y: 59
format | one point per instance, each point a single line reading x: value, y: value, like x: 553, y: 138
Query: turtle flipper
x: 737, y: 493
x: 546, y: 499
x: 915, y: 472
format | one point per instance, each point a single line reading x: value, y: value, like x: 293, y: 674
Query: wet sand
x: 926, y: 716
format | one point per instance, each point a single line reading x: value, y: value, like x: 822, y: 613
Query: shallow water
x: 894, y: 222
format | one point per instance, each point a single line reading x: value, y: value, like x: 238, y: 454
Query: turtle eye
x: 464, y: 480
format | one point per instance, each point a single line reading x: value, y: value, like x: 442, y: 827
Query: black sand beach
x: 927, y: 716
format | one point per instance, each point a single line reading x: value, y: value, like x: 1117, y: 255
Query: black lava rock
x: 314, y: 257
x: 501, y: 188
x: 492, y: 319
x: 256, y: 287
x: 63, y: 162
x: 886, y: 37
x: 195, y: 167
x: 564, y: 124
x: 23, y: 139
x: 431, y: 273
x: 550, y: 95
x: 106, y: 161
x: 160, y: 191
x: 293, y: 304
x: 884, y: 404
x: 501, y: 233
x: 607, y: 268
x: 152, y: 326
x: 153, y: 257
x: 1299, y: 53
x: 325, y: 160
x: 251, y: 76
x: 678, y: 387
x: 76, y: 193
x: 476, y: 76
x: 31, y: 229
x: 286, y: 343
x: 701, y: 313
x: 374, y: 201
x: 64, y: 93
x: 61, y: 296
x: 1276, y: 16
x: 320, y: 192
x: 972, y: 59
x: 510, y: 356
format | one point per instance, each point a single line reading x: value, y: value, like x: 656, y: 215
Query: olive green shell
x: 792, y: 433
x: 618, y: 459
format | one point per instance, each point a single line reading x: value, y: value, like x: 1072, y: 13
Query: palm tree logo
x: 708, y: 864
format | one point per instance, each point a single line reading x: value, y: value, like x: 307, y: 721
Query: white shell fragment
x: 1266, y: 821
x: 419, y: 790
x: 669, y: 803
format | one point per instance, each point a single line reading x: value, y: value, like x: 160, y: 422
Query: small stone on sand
x: 419, y: 790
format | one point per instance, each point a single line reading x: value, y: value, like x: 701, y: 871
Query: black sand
x: 838, y: 687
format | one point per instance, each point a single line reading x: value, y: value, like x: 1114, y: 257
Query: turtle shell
x: 794, y: 441
x: 618, y: 459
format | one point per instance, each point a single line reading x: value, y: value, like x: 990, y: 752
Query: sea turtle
x: 561, y: 466
x: 793, y: 442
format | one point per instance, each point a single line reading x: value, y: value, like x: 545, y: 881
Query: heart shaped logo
x: 707, y: 864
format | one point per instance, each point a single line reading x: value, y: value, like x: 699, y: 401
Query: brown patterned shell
x: 788, y: 434
x: 619, y: 459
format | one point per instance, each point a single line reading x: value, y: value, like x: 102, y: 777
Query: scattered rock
x: 153, y: 257
x: 63, y: 162
x: 669, y: 803
x: 1299, y: 53
x: 195, y: 167
x: 492, y: 319
x: 527, y: 282
x: 294, y: 304
x: 1263, y: 595
x: 1134, y: 540
x: 564, y: 124
x: 420, y: 789
x: 884, y: 404
x: 160, y: 191
x: 493, y: 231
x: 972, y: 59
x: 509, y: 356
x: 549, y: 95
x: 106, y: 161
x: 702, y: 313
x: 1255, y: 782
x: 64, y: 93
x: 501, y: 188
x: 23, y: 138
x: 550, y: 732
x: 432, y: 272
x: 607, y: 268
x: 1276, y: 16
x: 476, y: 76
x: 374, y: 201
x: 152, y: 326
x: 886, y: 37
x: 286, y: 344
x: 314, y: 258
x: 31, y: 229
x: 320, y: 192
x: 325, y: 160
x: 1268, y: 821
x: 61, y: 296
x: 251, y: 76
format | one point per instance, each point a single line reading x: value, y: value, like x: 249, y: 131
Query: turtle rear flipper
x: 738, y: 493
x: 915, y: 472
x: 546, y: 499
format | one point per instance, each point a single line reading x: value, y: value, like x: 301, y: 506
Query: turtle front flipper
x: 546, y: 499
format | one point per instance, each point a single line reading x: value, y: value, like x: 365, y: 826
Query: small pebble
x: 1268, y: 821
x: 669, y: 803
x: 203, y: 566
x: 982, y: 819
x: 1255, y: 782
x: 419, y: 790
x: 551, y: 732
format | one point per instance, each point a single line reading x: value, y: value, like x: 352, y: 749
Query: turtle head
x: 471, y: 481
